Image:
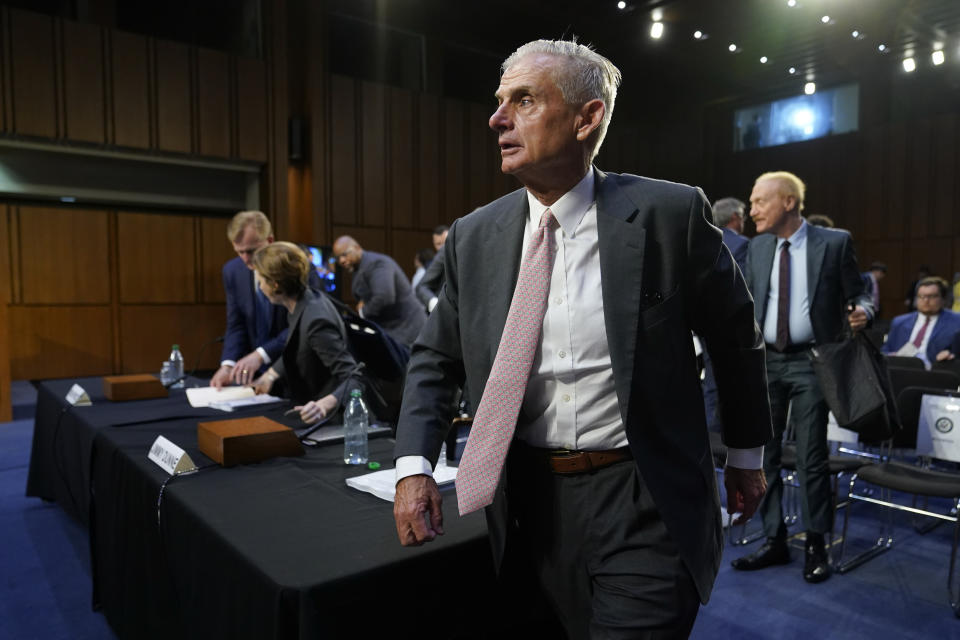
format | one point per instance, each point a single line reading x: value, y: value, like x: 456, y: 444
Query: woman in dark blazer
x: 316, y: 363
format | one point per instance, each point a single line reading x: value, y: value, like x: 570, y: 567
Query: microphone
x: 196, y: 363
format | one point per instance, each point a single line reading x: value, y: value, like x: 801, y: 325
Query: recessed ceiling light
x: 763, y: 59
x: 657, y: 15
x: 937, y: 57
x: 810, y: 88
x: 621, y: 5
x: 698, y: 34
x: 825, y: 19
x: 792, y: 70
x: 656, y: 30
x: 882, y: 48
x: 909, y: 64
x: 855, y: 34
x: 791, y: 3
x: 732, y: 48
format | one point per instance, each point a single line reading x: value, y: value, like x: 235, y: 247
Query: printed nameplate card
x: 78, y: 397
x: 170, y: 457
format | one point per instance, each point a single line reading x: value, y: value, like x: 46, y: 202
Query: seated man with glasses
x: 929, y: 332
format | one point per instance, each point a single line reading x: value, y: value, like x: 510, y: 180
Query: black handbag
x: 856, y: 385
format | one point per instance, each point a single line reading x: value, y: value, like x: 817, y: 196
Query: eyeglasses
x: 927, y: 296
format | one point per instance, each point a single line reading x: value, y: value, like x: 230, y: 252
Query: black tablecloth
x: 279, y: 549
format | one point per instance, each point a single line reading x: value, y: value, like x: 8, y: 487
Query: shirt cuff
x: 263, y: 354
x: 745, y: 458
x: 431, y: 304
x: 412, y: 466
x: 228, y: 363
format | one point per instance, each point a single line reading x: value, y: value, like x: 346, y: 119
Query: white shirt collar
x: 796, y: 240
x: 570, y: 208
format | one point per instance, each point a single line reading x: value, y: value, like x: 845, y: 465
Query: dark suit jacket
x: 664, y: 272
x: 246, y: 328
x: 945, y: 333
x: 387, y: 297
x: 833, y: 279
x: 316, y: 360
x: 737, y: 245
x: 432, y: 281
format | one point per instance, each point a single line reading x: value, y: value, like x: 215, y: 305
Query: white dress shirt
x: 571, y: 396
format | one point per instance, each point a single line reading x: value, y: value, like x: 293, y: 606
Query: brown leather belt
x: 568, y: 462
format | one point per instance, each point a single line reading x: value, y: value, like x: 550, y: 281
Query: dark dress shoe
x: 816, y: 567
x: 773, y: 551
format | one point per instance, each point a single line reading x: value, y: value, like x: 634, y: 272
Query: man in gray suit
x: 804, y: 278
x: 382, y: 290
x: 608, y: 493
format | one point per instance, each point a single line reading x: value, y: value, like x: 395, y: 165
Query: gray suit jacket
x: 387, y: 297
x: 664, y: 272
x: 833, y: 279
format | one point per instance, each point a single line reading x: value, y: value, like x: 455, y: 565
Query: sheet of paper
x: 203, y: 396
x: 381, y: 483
x: 234, y: 403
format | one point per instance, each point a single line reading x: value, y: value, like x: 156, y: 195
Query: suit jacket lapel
x: 504, y: 246
x: 621, y: 245
x: 761, y: 267
x: 816, y: 250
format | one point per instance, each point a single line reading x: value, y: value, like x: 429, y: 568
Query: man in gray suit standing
x: 578, y: 360
x: 804, y: 278
x: 382, y: 290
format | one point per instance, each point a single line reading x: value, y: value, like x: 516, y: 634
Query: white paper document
x: 381, y: 483
x: 228, y: 398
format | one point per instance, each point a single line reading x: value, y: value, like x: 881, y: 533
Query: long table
x: 279, y: 549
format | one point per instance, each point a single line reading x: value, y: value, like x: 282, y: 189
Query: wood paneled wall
x: 85, y: 83
x: 403, y: 162
x: 92, y: 292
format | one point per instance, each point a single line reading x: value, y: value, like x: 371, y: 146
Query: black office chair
x: 897, y: 479
x: 904, y: 362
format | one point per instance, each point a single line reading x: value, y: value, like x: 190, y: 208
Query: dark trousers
x: 791, y: 379
x: 600, y: 552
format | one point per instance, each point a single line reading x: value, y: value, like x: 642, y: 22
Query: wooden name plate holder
x: 140, y: 386
x: 246, y: 440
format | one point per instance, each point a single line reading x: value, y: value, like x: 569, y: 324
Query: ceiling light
x: 792, y: 70
x: 825, y: 19
x: 657, y: 15
x: 882, y: 48
x: 656, y: 30
x: 621, y: 5
x: 937, y: 57
x: 698, y: 34
x: 909, y: 64
x: 855, y: 34
x: 732, y: 48
x: 810, y: 88
x: 763, y: 59
x: 791, y: 3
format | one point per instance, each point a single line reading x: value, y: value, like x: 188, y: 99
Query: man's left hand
x: 745, y: 488
x: 857, y: 318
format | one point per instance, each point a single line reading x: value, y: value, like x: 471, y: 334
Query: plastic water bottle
x: 356, y: 420
x: 176, y: 367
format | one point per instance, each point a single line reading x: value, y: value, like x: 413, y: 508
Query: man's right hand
x: 221, y: 377
x: 416, y: 510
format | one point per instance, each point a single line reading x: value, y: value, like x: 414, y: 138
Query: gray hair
x: 724, y: 210
x: 585, y: 75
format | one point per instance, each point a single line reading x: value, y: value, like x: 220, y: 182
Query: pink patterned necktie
x: 496, y: 417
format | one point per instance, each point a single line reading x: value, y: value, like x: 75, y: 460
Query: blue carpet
x: 45, y: 591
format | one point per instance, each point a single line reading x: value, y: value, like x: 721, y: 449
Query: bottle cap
x: 373, y: 466
x: 177, y: 347
x: 356, y: 393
